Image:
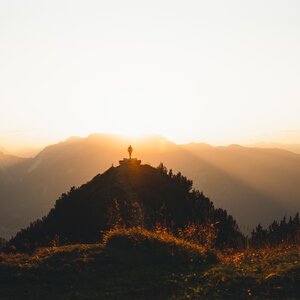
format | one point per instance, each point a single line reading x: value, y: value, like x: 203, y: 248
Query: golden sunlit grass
x: 268, y: 272
x: 25, y: 260
x: 266, y: 262
x: 137, y: 263
x: 158, y: 245
x: 140, y: 235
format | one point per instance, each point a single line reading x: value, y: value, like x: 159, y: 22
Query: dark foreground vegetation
x: 140, y: 264
x: 285, y: 231
x: 138, y: 232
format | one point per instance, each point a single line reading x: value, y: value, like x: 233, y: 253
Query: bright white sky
x: 211, y: 71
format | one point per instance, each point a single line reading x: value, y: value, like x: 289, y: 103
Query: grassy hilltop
x: 138, y: 232
x: 140, y: 264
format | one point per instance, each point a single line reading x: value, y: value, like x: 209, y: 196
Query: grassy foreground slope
x: 139, y: 264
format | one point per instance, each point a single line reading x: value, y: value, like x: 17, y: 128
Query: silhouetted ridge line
x: 128, y: 195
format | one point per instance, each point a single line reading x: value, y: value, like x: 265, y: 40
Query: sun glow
x: 187, y: 72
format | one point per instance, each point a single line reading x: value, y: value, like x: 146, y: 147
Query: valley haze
x: 254, y: 184
x: 207, y: 208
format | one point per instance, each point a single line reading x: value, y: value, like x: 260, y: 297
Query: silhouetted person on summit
x: 130, y: 151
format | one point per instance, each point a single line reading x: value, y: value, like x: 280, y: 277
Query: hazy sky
x: 211, y: 71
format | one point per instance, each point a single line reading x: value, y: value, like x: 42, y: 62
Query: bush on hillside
x: 155, y: 247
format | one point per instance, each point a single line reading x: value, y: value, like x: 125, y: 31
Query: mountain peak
x: 131, y: 194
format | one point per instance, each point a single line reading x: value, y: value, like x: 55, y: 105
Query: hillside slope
x: 128, y: 195
x: 144, y: 265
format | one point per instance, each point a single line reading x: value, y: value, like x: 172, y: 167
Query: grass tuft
x: 155, y: 247
x: 140, y: 264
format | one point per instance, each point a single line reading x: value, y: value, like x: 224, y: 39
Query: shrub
x: 155, y: 247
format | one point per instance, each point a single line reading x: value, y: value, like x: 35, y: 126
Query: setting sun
x: 149, y: 149
x: 190, y: 73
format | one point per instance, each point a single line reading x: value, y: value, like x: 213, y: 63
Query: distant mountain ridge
x: 253, y: 184
x: 289, y: 147
x: 7, y: 160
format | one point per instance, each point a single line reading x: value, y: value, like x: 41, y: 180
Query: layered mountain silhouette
x: 7, y: 161
x: 254, y: 185
x: 128, y: 195
x: 289, y: 147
